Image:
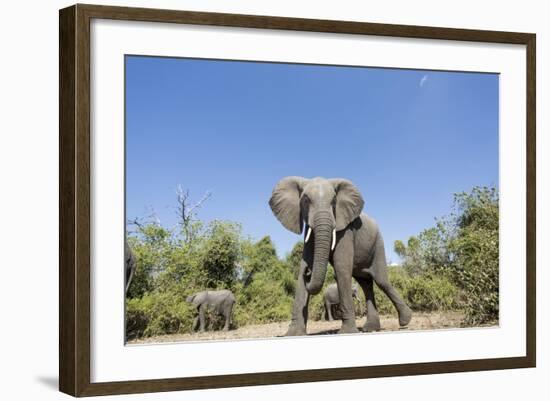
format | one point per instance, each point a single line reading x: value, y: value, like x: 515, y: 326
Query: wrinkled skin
x: 328, y: 212
x: 332, y: 299
x: 221, y: 302
x: 129, y: 265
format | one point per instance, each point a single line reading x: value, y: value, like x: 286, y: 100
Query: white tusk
x: 333, y: 240
x: 308, y: 233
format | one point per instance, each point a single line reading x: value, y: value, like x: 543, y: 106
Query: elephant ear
x: 285, y: 203
x: 349, y: 202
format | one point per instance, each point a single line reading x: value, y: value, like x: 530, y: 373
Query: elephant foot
x: 348, y: 327
x: 294, y: 330
x: 405, y: 317
x: 372, y: 325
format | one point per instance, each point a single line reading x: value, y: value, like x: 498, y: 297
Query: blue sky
x: 408, y: 139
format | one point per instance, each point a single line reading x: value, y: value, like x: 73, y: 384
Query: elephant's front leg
x: 300, y: 309
x: 343, y: 266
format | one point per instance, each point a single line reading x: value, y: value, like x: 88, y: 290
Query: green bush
x: 462, y: 248
x: 264, y: 300
x: 477, y: 255
x: 157, y: 314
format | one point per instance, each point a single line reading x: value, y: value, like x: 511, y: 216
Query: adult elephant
x: 221, y: 302
x: 329, y: 212
x: 331, y: 299
x: 129, y: 265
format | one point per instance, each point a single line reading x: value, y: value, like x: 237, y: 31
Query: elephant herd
x: 329, y: 214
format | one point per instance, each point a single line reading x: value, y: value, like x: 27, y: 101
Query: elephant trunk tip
x: 313, y: 289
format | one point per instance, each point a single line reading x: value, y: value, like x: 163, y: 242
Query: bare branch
x: 135, y: 222
x: 186, y: 213
x: 197, y: 205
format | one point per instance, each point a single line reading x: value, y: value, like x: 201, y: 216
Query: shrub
x: 264, y: 300
x: 477, y: 256
x: 156, y: 314
x: 462, y: 248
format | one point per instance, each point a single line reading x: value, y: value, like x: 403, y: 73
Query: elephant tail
x: 191, y: 298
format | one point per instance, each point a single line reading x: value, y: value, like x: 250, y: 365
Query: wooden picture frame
x: 74, y: 199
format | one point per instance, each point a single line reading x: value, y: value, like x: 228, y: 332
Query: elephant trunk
x: 322, y: 231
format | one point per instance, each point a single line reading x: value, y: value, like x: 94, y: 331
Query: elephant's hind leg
x: 196, y: 323
x: 379, y: 271
x: 227, y: 315
x: 373, y: 319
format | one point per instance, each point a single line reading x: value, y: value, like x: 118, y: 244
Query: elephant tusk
x: 308, y: 233
x: 333, y: 240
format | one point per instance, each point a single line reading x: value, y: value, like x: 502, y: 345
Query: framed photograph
x: 250, y: 200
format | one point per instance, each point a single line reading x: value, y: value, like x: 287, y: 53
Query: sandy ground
x: 420, y: 321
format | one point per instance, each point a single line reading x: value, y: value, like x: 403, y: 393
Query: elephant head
x: 320, y: 207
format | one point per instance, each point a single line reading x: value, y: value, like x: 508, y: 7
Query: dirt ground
x: 420, y: 321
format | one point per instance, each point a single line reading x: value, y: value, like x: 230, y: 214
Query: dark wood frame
x: 74, y: 199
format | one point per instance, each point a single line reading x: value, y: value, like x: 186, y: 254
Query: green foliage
x: 221, y: 251
x: 267, y: 291
x: 152, y: 255
x: 463, y: 249
x: 158, y: 313
x: 294, y: 258
x: 476, y: 250
x: 264, y: 300
x: 174, y: 264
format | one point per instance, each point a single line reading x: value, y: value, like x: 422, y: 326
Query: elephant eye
x: 305, y: 199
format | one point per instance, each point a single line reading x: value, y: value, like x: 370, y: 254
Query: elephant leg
x: 196, y: 323
x: 346, y: 306
x: 300, y: 309
x: 227, y: 316
x: 226, y: 325
x: 202, y: 317
x: 343, y: 265
x: 379, y: 271
x: 328, y: 308
x: 373, y: 319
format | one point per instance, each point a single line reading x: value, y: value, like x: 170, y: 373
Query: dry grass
x: 420, y: 321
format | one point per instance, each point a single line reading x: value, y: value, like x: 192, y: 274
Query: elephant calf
x: 221, y: 302
x: 332, y: 299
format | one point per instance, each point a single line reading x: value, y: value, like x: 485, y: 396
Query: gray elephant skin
x: 329, y: 213
x: 331, y: 299
x: 220, y: 302
x: 129, y: 265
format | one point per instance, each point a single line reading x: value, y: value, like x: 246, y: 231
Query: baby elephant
x: 332, y: 298
x: 221, y: 302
